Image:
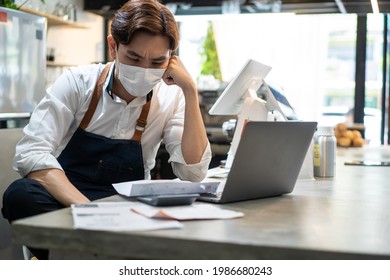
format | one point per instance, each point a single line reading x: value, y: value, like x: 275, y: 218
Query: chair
x: 9, y: 139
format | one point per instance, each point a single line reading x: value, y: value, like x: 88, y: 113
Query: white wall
x: 78, y: 46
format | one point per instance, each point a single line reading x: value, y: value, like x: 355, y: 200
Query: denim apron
x: 93, y: 162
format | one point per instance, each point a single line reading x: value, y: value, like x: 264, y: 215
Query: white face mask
x: 138, y: 81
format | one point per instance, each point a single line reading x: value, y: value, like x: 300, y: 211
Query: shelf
x: 54, y: 20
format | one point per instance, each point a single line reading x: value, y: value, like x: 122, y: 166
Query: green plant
x: 209, y: 54
x: 8, y: 4
x: 11, y: 4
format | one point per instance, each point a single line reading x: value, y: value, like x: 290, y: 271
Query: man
x: 102, y: 124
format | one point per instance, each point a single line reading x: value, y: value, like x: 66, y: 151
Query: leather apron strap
x: 97, y: 92
x: 141, y: 122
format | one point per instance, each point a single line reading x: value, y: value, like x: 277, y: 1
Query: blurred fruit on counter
x: 348, y: 137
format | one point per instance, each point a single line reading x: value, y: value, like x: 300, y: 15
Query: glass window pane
x: 374, y: 78
x: 312, y: 59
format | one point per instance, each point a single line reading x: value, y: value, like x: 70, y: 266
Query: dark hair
x: 147, y: 16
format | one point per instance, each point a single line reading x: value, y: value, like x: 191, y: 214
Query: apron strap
x: 141, y: 122
x: 97, y: 92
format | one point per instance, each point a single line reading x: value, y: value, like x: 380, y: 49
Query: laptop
x: 267, y: 163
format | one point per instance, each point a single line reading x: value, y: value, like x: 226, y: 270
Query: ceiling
x: 107, y: 8
x: 295, y: 6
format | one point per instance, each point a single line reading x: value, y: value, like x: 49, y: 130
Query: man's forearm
x: 194, y: 140
x: 58, y: 185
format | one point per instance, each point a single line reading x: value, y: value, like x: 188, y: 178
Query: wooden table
x: 347, y: 217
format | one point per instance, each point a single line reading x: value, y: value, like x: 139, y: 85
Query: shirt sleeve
x: 47, y: 127
x: 172, y: 138
x: 190, y: 172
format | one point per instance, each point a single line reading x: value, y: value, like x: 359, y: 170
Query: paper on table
x: 159, y: 187
x: 136, y: 216
x: 189, y: 212
x: 115, y: 216
x: 217, y: 173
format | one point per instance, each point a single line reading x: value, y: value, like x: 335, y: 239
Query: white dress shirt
x: 60, y: 112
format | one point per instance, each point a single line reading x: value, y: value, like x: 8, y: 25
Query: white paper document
x: 217, y: 173
x: 137, y: 216
x: 116, y: 216
x: 159, y: 187
x: 189, y: 212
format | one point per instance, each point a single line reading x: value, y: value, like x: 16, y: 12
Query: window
x: 312, y: 58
